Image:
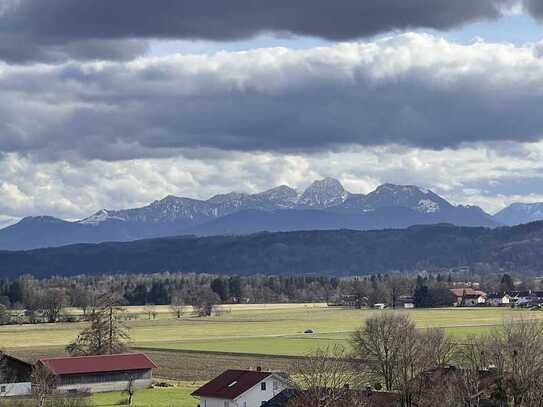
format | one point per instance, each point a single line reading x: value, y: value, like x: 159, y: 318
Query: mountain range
x: 440, y: 248
x: 324, y: 205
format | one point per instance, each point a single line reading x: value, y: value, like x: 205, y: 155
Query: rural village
x: 105, y: 359
x: 271, y: 203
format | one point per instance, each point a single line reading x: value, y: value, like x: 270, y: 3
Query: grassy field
x: 159, y: 397
x: 192, y: 350
x: 271, y: 331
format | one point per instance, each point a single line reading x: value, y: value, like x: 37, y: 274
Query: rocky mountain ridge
x: 325, y: 204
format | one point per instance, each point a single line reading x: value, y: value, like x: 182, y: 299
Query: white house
x: 14, y: 376
x: 498, y: 299
x: 241, y: 388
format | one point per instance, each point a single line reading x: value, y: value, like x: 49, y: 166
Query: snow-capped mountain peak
x: 408, y: 196
x: 99, y: 217
x: 283, y: 196
x: 324, y: 194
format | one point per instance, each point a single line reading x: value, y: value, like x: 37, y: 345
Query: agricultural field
x: 192, y: 350
x: 268, y: 331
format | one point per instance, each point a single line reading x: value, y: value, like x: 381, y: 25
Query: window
x: 263, y: 386
x: 226, y: 404
x: 275, y: 385
x: 2, y: 389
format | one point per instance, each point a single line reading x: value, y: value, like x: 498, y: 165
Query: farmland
x: 191, y: 349
x: 273, y: 331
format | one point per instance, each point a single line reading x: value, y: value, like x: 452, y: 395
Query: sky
x: 116, y: 104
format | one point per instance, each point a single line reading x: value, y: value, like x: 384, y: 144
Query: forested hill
x: 341, y: 252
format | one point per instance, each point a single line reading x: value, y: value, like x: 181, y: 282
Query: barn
x: 103, y: 373
x: 15, y: 376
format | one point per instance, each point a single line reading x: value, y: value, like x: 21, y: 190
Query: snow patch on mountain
x: 519, y: 213
x: 428, y: 206
x: 324, y: 194
x: 100, y: 217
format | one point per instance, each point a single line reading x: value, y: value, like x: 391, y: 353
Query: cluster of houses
x: 469, y: 297
x: 233, y: 388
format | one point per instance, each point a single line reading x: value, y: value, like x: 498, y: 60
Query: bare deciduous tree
x: 392, y: 352
x: 516, y: 350
x: 43, y: 384
x: 177, y: 303
x: 130, y: 389
x: 326, y: 378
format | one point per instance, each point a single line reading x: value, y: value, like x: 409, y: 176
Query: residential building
x: 468, y: 297
x: 241, y: 388
x: 498, y: 299
x: 405, y: 301
x: 15, y: 376
x: 104, y: 373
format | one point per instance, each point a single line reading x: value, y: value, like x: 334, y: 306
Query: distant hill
x: 325, y: 204
x: 338, y: 252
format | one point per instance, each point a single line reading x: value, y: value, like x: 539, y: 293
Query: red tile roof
x: 231, y: 384
x: 459, y: 292
x: 98, y: 364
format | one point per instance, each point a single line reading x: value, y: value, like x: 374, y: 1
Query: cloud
x: 412, y: 90
x: 490, y: 177
x: 534, y: 7
x: 538, y: 49
x: 96, y: 29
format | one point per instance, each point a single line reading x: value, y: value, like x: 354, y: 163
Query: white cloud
x: 463, y: 120
x: 489, y: 177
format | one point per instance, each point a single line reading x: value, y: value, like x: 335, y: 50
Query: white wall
x: 251, y: 398
x: 15, y: 389
x: 106, y: 387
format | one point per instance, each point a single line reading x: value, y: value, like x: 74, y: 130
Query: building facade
x: 105, y: 373
x: 241, y: 388
x: 15, y: 376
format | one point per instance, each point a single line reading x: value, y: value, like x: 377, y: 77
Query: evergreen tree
x: 106, y: 334
x: 507, y: 284
x: 220, y: 287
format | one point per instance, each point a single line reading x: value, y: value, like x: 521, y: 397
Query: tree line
x: 43, y: 300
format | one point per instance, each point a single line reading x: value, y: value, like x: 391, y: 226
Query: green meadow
x: 178, y: 396
x: 270, y: 332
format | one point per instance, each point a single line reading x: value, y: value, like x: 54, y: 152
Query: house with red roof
x: 241, y: 388
x: 102, y: 373
x: 468, y: 297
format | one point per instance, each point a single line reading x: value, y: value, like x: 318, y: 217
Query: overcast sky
x: 113, y: 104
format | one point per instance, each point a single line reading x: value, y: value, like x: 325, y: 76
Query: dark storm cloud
x: 50, y: 30
x: 535, y: 7
x: 412, y: 90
